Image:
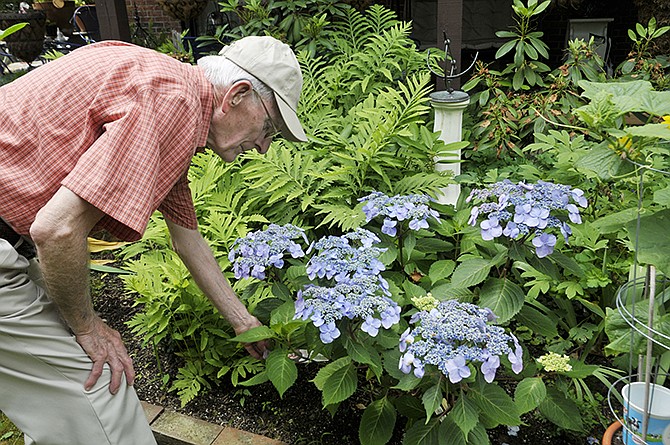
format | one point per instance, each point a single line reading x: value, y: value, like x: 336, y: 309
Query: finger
x: 95, y: 374
x: 251, y: 349
x: 129, y: 370
x: 117, y: 372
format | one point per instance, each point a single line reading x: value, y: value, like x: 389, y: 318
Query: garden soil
x: 296, y: 419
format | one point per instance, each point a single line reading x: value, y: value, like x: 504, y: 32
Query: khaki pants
x: 43, y: 370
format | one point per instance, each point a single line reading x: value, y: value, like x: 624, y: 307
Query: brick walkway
x: 171, y: 428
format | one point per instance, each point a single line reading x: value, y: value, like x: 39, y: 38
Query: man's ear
x: 237, y: 92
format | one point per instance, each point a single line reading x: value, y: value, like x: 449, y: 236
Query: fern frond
x: 343, y: 217
x: 421, y: 183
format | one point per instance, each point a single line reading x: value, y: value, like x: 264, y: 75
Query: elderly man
x: 100, y: 139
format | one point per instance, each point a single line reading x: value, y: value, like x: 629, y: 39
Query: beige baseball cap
x: 273, y: 63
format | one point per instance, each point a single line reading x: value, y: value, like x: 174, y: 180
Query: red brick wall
x: 151, y: 16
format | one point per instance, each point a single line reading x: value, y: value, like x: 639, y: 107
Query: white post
x: 449, y: 106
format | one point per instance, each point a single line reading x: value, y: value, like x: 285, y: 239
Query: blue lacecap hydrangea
x: 412, y: 208
x: 355, y: 287
x: 453, y: 335
x: 523, y: 210
x: 258, y: 250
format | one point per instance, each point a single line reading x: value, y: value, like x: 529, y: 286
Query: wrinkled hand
x: 259, y: 349
x: 104, y: 345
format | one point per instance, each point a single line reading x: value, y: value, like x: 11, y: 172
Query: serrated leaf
x: 377, y: 423
x: 471, y: 272
x: 503, y: 297
x: 432, y: 399
x: 422, y: 434
x: 495, y: 406
x: 464, y: 414
x: 324, y: 373
x: 340, y: 385
x: 281, y: 370
x: 537, y: 322
x: 255, y: 334
x: 561, y: 410
x: 529, y: 393
x: 440, y: 270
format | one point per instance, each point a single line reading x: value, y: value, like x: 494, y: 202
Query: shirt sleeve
x: 178, y: 205
x: 145, y: 148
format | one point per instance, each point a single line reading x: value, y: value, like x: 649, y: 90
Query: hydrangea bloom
x: 555, y: 362
x: 413, y: 208
x: 256, y: 251
x: 523, y: 210
x: 357, y: 290
x: 451, y: 336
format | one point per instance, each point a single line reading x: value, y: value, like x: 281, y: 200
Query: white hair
x: 221, y: 72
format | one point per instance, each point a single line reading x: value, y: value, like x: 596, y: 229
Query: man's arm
x: 199, y: 260
x: 60, y: 233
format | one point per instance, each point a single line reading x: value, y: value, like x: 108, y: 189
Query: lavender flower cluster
x: 454, y: 334
x: 252, y: 254
x: 399, y: 208
x: 358, y: 291
x: 527, y: 209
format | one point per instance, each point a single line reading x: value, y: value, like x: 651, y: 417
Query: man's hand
x: 104, y: 345
x: 259, y: 349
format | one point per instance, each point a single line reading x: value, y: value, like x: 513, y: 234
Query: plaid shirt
x: 114, y: 123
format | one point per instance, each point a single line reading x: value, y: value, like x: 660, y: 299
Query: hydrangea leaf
x: 503, y: 297
x: 537, y: 322
x: 529, y: 393
x: 340, y: 385
x: 561, y: 410
x: 281, y: 370
x: 328, y: 370
x: 377, y: 423
x: 423, y: 434
x: 495, y: 406
x: 441, y: 269
x: 255, y: 334
x: 471, y: 272
x: 432, y: 399
x: 465, y: 414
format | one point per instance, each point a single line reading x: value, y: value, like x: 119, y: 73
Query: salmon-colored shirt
x: 116, y: 124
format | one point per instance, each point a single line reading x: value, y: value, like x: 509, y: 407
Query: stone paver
x: 232, y: 436
x: 151, y: 411
x: 177, y: 429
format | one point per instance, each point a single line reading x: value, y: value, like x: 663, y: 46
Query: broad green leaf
x: 662, y: 197
x: 450, y: 433
x: 364, y: 353
x: 615, y: 221
x: 495, y: 406
x: 503, y: 297
x: 661, y: 131
x: 464, y: 414
x: 377, y: 423
x: 257, y: 379
x: 561, y: 410
x: 537, y: 322
x: 255, y: 334
x: 653, y: 240
x: 281, y: 370
x: 471, y: 272
x: 324, y: 373
x: 440, y: 270
x: 616, y: 89
x: 422, y: 434
x: 529, y: 393
x: 602, y: 161
x: 340, y: 385
x: 432, y: 399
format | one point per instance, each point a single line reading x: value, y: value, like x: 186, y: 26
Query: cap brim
x: 292, y: 130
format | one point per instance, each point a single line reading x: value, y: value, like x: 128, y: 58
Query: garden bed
x: 297, y: 418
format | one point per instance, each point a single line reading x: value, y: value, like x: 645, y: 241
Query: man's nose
x: 263, y: 146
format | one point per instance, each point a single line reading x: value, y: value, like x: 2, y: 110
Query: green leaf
x: 529, y: 393
x: 340, y: 385
x: 324, y: 373
x: 464, y: 414
x: 561, y: 410
x: 602, y: 161
x: 432, y: 399
x: 503, y: 297
x: 441, y: 269
x: 255, y: 334
x: 377, y: 423
x: 422, y: 434
x: 505, y: 48
x: 653, y: 240
x: 660, y: 131
x: 495, y: 406
x: 281, y: 370
x: 537, y: 322
x: 471, y: 272
x: 662, y: 197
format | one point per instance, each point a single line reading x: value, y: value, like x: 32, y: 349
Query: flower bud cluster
x: 451, y: 336
x: 258, y: 250
x: 527, y: 209
x: 356, y: 290
x: 413, y: 208
x: 555, y: 362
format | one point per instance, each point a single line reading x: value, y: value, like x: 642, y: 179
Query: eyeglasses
x: 269, y: 132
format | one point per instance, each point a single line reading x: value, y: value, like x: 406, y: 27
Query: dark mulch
x: 297, y: 418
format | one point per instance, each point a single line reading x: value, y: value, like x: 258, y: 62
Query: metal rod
x: 651, y: 272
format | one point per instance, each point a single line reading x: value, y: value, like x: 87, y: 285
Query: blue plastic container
x: 658, y: 429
